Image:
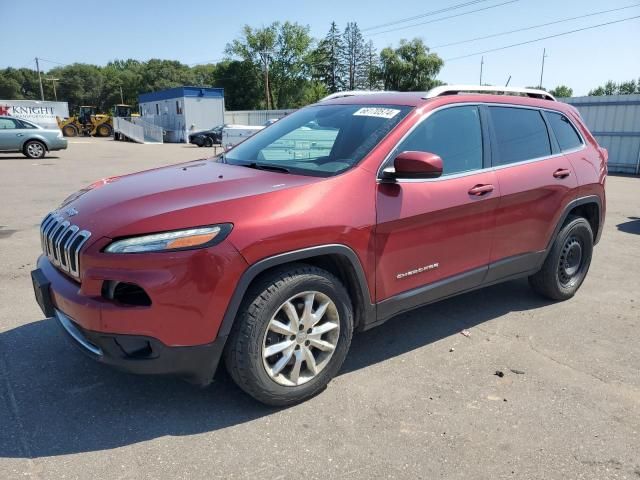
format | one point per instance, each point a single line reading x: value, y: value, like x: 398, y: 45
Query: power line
x: 542, y: 38
x: 533, y: 27
x: 428, y: 14
x: 443, y: 18
x: 52, y: 61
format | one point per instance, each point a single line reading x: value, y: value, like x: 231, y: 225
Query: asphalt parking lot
x: 415, y: 399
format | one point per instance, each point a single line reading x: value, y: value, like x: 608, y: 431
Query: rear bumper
x: 145, y: 355
x: 58, y: 144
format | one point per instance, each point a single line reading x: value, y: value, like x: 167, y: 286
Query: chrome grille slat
x: 61, y: 243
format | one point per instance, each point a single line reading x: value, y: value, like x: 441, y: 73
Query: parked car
x: 331, y: 221
x: 33, y: 141
x: 207, y: 138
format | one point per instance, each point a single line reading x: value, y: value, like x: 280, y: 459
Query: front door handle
x: 481, y: 189
x: 562, y: 173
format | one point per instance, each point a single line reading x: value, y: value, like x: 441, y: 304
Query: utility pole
x: 481, y: 65
x: 544, y: 55
x: 40, y: 79
x: 267, y: 91
x: 53, y: 81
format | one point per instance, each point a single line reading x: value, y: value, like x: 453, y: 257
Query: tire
x: 104, y: 130
x: 34, y: 149
x: 69, y: 131
x: 567, y: 263
x: 252, y: 335
x: 208, y: 142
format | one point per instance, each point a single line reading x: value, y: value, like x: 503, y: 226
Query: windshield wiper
x: 266, y: 166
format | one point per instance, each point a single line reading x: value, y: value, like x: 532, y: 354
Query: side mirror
x: 412, y: 164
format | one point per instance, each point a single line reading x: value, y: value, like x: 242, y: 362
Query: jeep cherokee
x: 332, y: 220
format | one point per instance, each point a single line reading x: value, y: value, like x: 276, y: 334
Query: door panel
x: 436, y: 226
x: 536, y: 181
x: 532, y: 200
x: 8, y: 132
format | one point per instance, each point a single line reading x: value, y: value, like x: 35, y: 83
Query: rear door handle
x: 19, y: 134
x: 562, y: 173
x: 481, y: 189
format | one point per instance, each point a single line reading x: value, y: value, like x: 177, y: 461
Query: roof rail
x: 349, y: 93
x: 456, y: 89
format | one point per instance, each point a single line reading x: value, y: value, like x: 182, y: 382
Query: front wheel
x: 291, y: 335
x: 567, y: 263
x: 208, y: 142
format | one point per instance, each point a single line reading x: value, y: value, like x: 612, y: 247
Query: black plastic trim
x: 427, y: 294
x: 197, y: 364
x: 576, y: 203
x: 295, y: 256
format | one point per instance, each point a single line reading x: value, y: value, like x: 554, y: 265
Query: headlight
x: 170, y: 241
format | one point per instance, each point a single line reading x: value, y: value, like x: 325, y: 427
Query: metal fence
x: 615, y: 122
x: 253, y: 117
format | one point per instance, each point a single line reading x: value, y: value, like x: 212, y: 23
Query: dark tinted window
x: 454, y: 134
x: 521, y: 134
x: 566, y: 135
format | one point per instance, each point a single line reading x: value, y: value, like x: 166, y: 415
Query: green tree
x: 242, y: 84
x: 372, y: 67
x: 410, y: 67
x: 354, y: 57
x: 562, y: 91
x: 257, y: 45
x: 628, y: 88
x: 326, y: 60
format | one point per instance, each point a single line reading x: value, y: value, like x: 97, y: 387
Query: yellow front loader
x: 87, y: 122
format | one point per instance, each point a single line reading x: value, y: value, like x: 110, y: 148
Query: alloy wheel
x: 301, y: 338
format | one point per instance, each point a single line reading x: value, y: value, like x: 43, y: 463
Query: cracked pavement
x: 415, y: 399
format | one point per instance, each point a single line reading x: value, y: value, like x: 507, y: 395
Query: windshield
x: 320, y: 140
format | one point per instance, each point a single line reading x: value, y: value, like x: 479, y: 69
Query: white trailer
x: 40, y: 113
x: 234, y: 134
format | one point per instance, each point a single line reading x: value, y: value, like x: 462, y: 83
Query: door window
x: 454, y: 134
x: 566, y: 135
x: 7, y: 123
x: 521, y: 134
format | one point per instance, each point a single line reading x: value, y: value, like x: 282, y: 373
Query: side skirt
x: 497, y: 272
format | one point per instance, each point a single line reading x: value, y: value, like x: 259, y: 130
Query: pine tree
x: 372, y: 67
x: 354, y: 57
x: 326, y: 59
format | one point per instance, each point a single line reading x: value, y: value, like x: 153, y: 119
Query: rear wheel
x: 34, y: 149
x: 208, y: 142
x: 69, y: 131
x: 567, y: 263
x: 291, y: 336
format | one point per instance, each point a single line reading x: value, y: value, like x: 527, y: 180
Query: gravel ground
x: 415, y: 399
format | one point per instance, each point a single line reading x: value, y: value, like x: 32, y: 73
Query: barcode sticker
x: 377, y: 112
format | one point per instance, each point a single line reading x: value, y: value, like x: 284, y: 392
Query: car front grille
x: 61, y: 243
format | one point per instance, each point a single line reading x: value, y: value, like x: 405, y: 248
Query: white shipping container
x: 234, y: 134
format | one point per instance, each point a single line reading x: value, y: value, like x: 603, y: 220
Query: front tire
x: 291, y: 335
x: 208, y: 142
x: 34, y: 149
x: 567, y: 263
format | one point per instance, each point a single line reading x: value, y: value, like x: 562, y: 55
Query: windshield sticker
x: 377, y: 112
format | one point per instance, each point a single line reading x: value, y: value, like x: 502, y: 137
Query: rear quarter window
x: 564, y: 131
x: 521, y: 134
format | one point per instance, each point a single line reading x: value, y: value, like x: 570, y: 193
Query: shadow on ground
x: 632, y: 226
x: 54, y: 401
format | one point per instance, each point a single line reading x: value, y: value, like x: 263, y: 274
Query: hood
x: 178, y: 196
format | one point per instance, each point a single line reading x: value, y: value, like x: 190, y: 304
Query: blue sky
x: 197, y: 31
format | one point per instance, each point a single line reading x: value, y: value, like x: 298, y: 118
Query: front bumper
x: 145, y: 355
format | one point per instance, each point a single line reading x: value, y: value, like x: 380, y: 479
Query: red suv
x: 331, y: 220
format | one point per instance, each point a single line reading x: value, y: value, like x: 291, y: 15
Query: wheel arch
x: 590, y: 208
x: 339, y: 260
x: 35, y: 139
